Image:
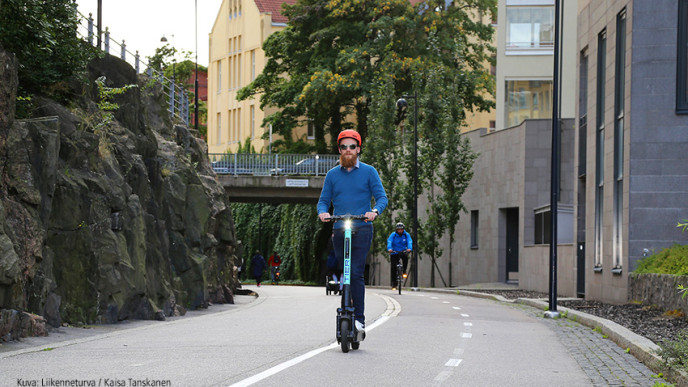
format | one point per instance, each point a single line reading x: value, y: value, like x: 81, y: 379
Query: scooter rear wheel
x: 345, y: 335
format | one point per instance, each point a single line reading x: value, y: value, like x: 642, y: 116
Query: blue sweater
x: 351, y: 191
x: 398, y: 242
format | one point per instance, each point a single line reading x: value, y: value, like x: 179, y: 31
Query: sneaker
x: 360, y: 327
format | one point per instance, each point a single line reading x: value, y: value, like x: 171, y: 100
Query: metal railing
x: 177, y: 95
x: 272, y: 164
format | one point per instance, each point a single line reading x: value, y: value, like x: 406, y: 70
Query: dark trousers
x: 394, y: 260
x: 361, y: 239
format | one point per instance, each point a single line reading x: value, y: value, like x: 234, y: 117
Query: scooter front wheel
x: 355, y: 344
x: 344, y: 328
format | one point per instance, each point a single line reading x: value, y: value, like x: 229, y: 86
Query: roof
x: 275, y: 8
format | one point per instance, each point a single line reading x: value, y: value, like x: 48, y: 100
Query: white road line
x: 464, y: 315
x: 466, y: 335
x: 453, y: 362
x: 458, y: 351
x: 393, y: 309
x: 442, y: 376
x: 468, y: 324
x: 445, y: 302
x: 435, y: 298
x: 457, y: 308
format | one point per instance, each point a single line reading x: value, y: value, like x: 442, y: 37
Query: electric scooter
x: 347, y: 335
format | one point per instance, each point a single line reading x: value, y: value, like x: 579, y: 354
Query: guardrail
x: 272, y: 164
x: 176, y: 94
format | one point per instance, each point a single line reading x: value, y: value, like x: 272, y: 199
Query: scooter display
x: 347, y: 335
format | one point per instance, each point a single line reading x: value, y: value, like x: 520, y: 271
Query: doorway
x: 512, y: 244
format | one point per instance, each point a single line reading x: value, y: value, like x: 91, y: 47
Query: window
x: 530, y: 27
x: 219, y: 76
x: 474, y: 229
x: 237, y: 129
x: 543, y: 221
x: 311, y: 130
x: 238, y: 72
x: 599, y: 149
x: 619, y: 107
x: 583, y: 114
x: 253, y: 122
x: 526, y: 99
x: 253, y: 65
x: 682, y: 59
x: 219, y: 128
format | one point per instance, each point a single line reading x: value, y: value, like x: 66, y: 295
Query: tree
x: 343, y: 63
x: 43, y: 36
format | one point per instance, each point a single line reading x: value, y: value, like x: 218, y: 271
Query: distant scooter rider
x: 274, y: 262
x: 399, y: 244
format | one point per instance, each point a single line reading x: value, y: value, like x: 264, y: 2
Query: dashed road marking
x: 468, y: 324
x: 457, y: 308
x: 465, y: 315
x: 393, y: 309
x: 466, y: 335
x: 453, y: 362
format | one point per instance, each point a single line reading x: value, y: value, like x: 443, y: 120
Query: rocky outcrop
x: 105, y: 220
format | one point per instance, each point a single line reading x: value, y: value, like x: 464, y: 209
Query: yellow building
x: 236, y: 58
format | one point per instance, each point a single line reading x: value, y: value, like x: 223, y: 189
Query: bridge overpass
x: 272, y: 178
x: 272, y: 189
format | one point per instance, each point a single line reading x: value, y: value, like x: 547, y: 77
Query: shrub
x: 675, y: 353
x: 43, y: 36
x: 672, y: 260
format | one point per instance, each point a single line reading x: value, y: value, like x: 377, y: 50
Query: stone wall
x: 658, y: 289
x: 104, y: 219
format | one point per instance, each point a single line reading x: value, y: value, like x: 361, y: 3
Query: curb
x: 642, y: 348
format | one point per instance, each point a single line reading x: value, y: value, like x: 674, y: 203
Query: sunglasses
x: 350, y: 146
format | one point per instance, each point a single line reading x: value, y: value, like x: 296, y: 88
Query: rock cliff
x: 103, y: 220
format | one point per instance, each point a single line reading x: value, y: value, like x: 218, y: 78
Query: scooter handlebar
x: 334, y: 218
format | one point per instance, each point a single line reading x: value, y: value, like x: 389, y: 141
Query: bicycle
x: 400, y: 269
x: 347, y: 335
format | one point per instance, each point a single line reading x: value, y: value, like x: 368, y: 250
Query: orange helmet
x: 349, y: 133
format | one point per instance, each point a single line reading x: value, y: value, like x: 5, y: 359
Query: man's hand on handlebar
x: 370, y: 216
x: 324, y: 216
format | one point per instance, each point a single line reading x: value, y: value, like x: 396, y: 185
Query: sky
x: 141, y: 24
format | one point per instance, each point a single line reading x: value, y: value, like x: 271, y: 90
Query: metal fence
x: 177, y: 96
x: 272, y: 164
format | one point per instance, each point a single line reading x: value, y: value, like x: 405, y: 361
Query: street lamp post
x: 554, y: 186
x: 402, y: 104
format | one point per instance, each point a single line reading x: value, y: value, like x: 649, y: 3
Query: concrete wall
x: 658, y: 143
x: 511, y: 171
x: 655, y: 179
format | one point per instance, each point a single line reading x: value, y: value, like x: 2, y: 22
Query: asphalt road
x: 285, y: 338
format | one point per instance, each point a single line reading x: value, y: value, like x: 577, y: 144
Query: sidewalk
x: 609, y: 353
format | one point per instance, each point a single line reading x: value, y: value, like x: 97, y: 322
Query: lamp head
x: 402, y: 104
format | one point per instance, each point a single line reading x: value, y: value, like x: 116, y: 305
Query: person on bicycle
x: 274, y: 262
x: 349, y: 188
x: 399, y: 244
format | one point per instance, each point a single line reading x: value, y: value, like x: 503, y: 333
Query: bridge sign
x: 297, y: 183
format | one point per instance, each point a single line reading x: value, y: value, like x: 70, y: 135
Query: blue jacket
x: 398, y: 242
x: 350, y: 191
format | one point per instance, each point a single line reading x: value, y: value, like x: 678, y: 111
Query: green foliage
x: 675, y: 352
x: 43, y: 36
x: 289, y: 229
x: 672, y: 260
x: 326, y: 66
x: 684, y: 225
